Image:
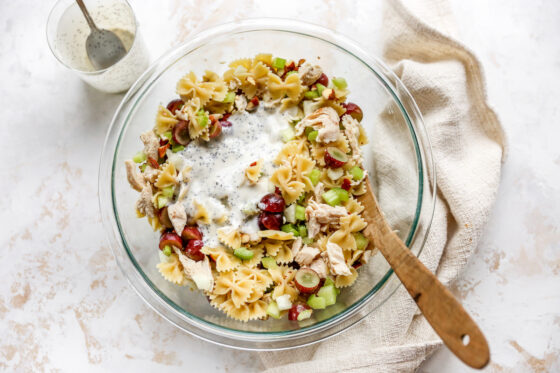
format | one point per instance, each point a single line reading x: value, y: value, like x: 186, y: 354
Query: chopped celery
x: 307, y: 240
x: 162, y: 201
x: 302, y: 229
x: 273, y: 311
x: 320, y: 88
x: 230, y: 97
x: 278, y: 63
x: 202, y: 118
x: 328, y: 281
x: 305, y: 314
x: 290, y: 228
x: 177, y: 148
x: 168, y: 135
x: 143, y: 167
x: 361, y: 241
x: 328, y: 293
x: 314, y: 176
x: 340, y: 83
x: 315, y: 302
x: 139, y: 157
x: 311, y: 94
x: 167, y: 250
x: 299, y: 212
x: 287, y: 134
x: 243, y: 253
x: 291, y: 72
x: 269, y: 262
x: 307, y: 130
x: 290, y: 213
x: 168, y: 192
x: 335, y: 196
x: 301, y: 198
x: 312, y: 135
x: 357, y: 173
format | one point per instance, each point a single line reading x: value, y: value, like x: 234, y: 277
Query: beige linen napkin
x: 446, y: 81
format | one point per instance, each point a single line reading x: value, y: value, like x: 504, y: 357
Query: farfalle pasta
x: 251, y: 177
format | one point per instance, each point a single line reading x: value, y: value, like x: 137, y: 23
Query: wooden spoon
x: 444, y: 313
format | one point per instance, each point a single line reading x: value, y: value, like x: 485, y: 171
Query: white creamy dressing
x: 217, y: 180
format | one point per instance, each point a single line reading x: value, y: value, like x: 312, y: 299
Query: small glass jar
x: 67, y: 31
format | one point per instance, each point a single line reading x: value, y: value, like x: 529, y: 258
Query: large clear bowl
x: 398, y: 159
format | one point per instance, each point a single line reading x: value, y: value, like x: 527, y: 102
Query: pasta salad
x: 251, y: 178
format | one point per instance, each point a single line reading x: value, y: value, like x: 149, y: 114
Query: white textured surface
x: 64, y: 304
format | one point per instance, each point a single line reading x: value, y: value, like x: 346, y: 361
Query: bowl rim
x: 337, y: 40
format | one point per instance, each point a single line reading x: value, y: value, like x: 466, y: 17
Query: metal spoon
x: 103, y: 47
x: 444, y: 313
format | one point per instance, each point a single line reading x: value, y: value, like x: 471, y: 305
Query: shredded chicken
x: 240, y: 102
x: 318, y: 190
x: 319, y: 266
x: 178, y: 216
x: 337, y: 264
x: 306, y: 255
x: 320, y: 216
x: 134, y: 177
x: 352, y: 132
x: 200, y: 272
x: 325, y: 120
x: 144, y: 203
x: 309, y: 73
x: 151, y: 144
x: 151, y: 174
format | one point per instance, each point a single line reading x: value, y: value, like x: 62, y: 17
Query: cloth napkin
x: 447, y: 82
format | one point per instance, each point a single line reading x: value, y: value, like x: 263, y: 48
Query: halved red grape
x: 175, y: 105
x: 307, y: 280
x: 215, y: 129
x: 272, y: 202
x: 181, y: 133
x: 225, y: 123
x: 164, y: 218
x: 335, y: 158
x: 354, y: 111
x: 192, y: 250
x: 296, y: 310
x: 170, y: 239
x: 191, y: 233
x: 270, y: 220
x: 346, y: 184
x: 323, y: 79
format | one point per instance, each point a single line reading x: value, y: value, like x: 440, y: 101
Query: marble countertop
x: 64, y: 304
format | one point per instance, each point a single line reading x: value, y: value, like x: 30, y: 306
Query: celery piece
x: 202, y: 118
x: 291, y: 72
x: 300, y: 212
x: 328, y: 293
x: 287, y: 134
x: 305, y: 314
x: 278, y: 63
x: 320, y: 88
x: 357, y: 173
x: 143, y: 167
x: 168, y: 135
x: 331, y: 197
x: 168, y: 192
x: 290, y: 228
x: 290, y: 213
x: 328, y: 282
x: 162, y: 202
x: 302, y: 229
x: 307, y: 240
x: 340, y: 83
x: 273, y: 311
x: 361, y: 241
x: 177, y: 148
x: 243, y: 253
x: 230, y: 97
x: 315, y: 302
x: 312, y: 135
x: 301, y: 198
x: 343, y: 194
x: 139, y: 157
x: 307, y: 130
x: 314, y: 176
x: 311, y: 94
x: 269, y: 262
x: 167, y: 250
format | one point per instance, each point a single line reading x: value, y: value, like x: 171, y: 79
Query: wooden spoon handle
x: 444, y: 313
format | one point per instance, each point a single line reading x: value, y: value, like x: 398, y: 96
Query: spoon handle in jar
x: 87, y: 15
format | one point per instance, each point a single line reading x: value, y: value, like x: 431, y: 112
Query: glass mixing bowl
x: 398, y: 159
